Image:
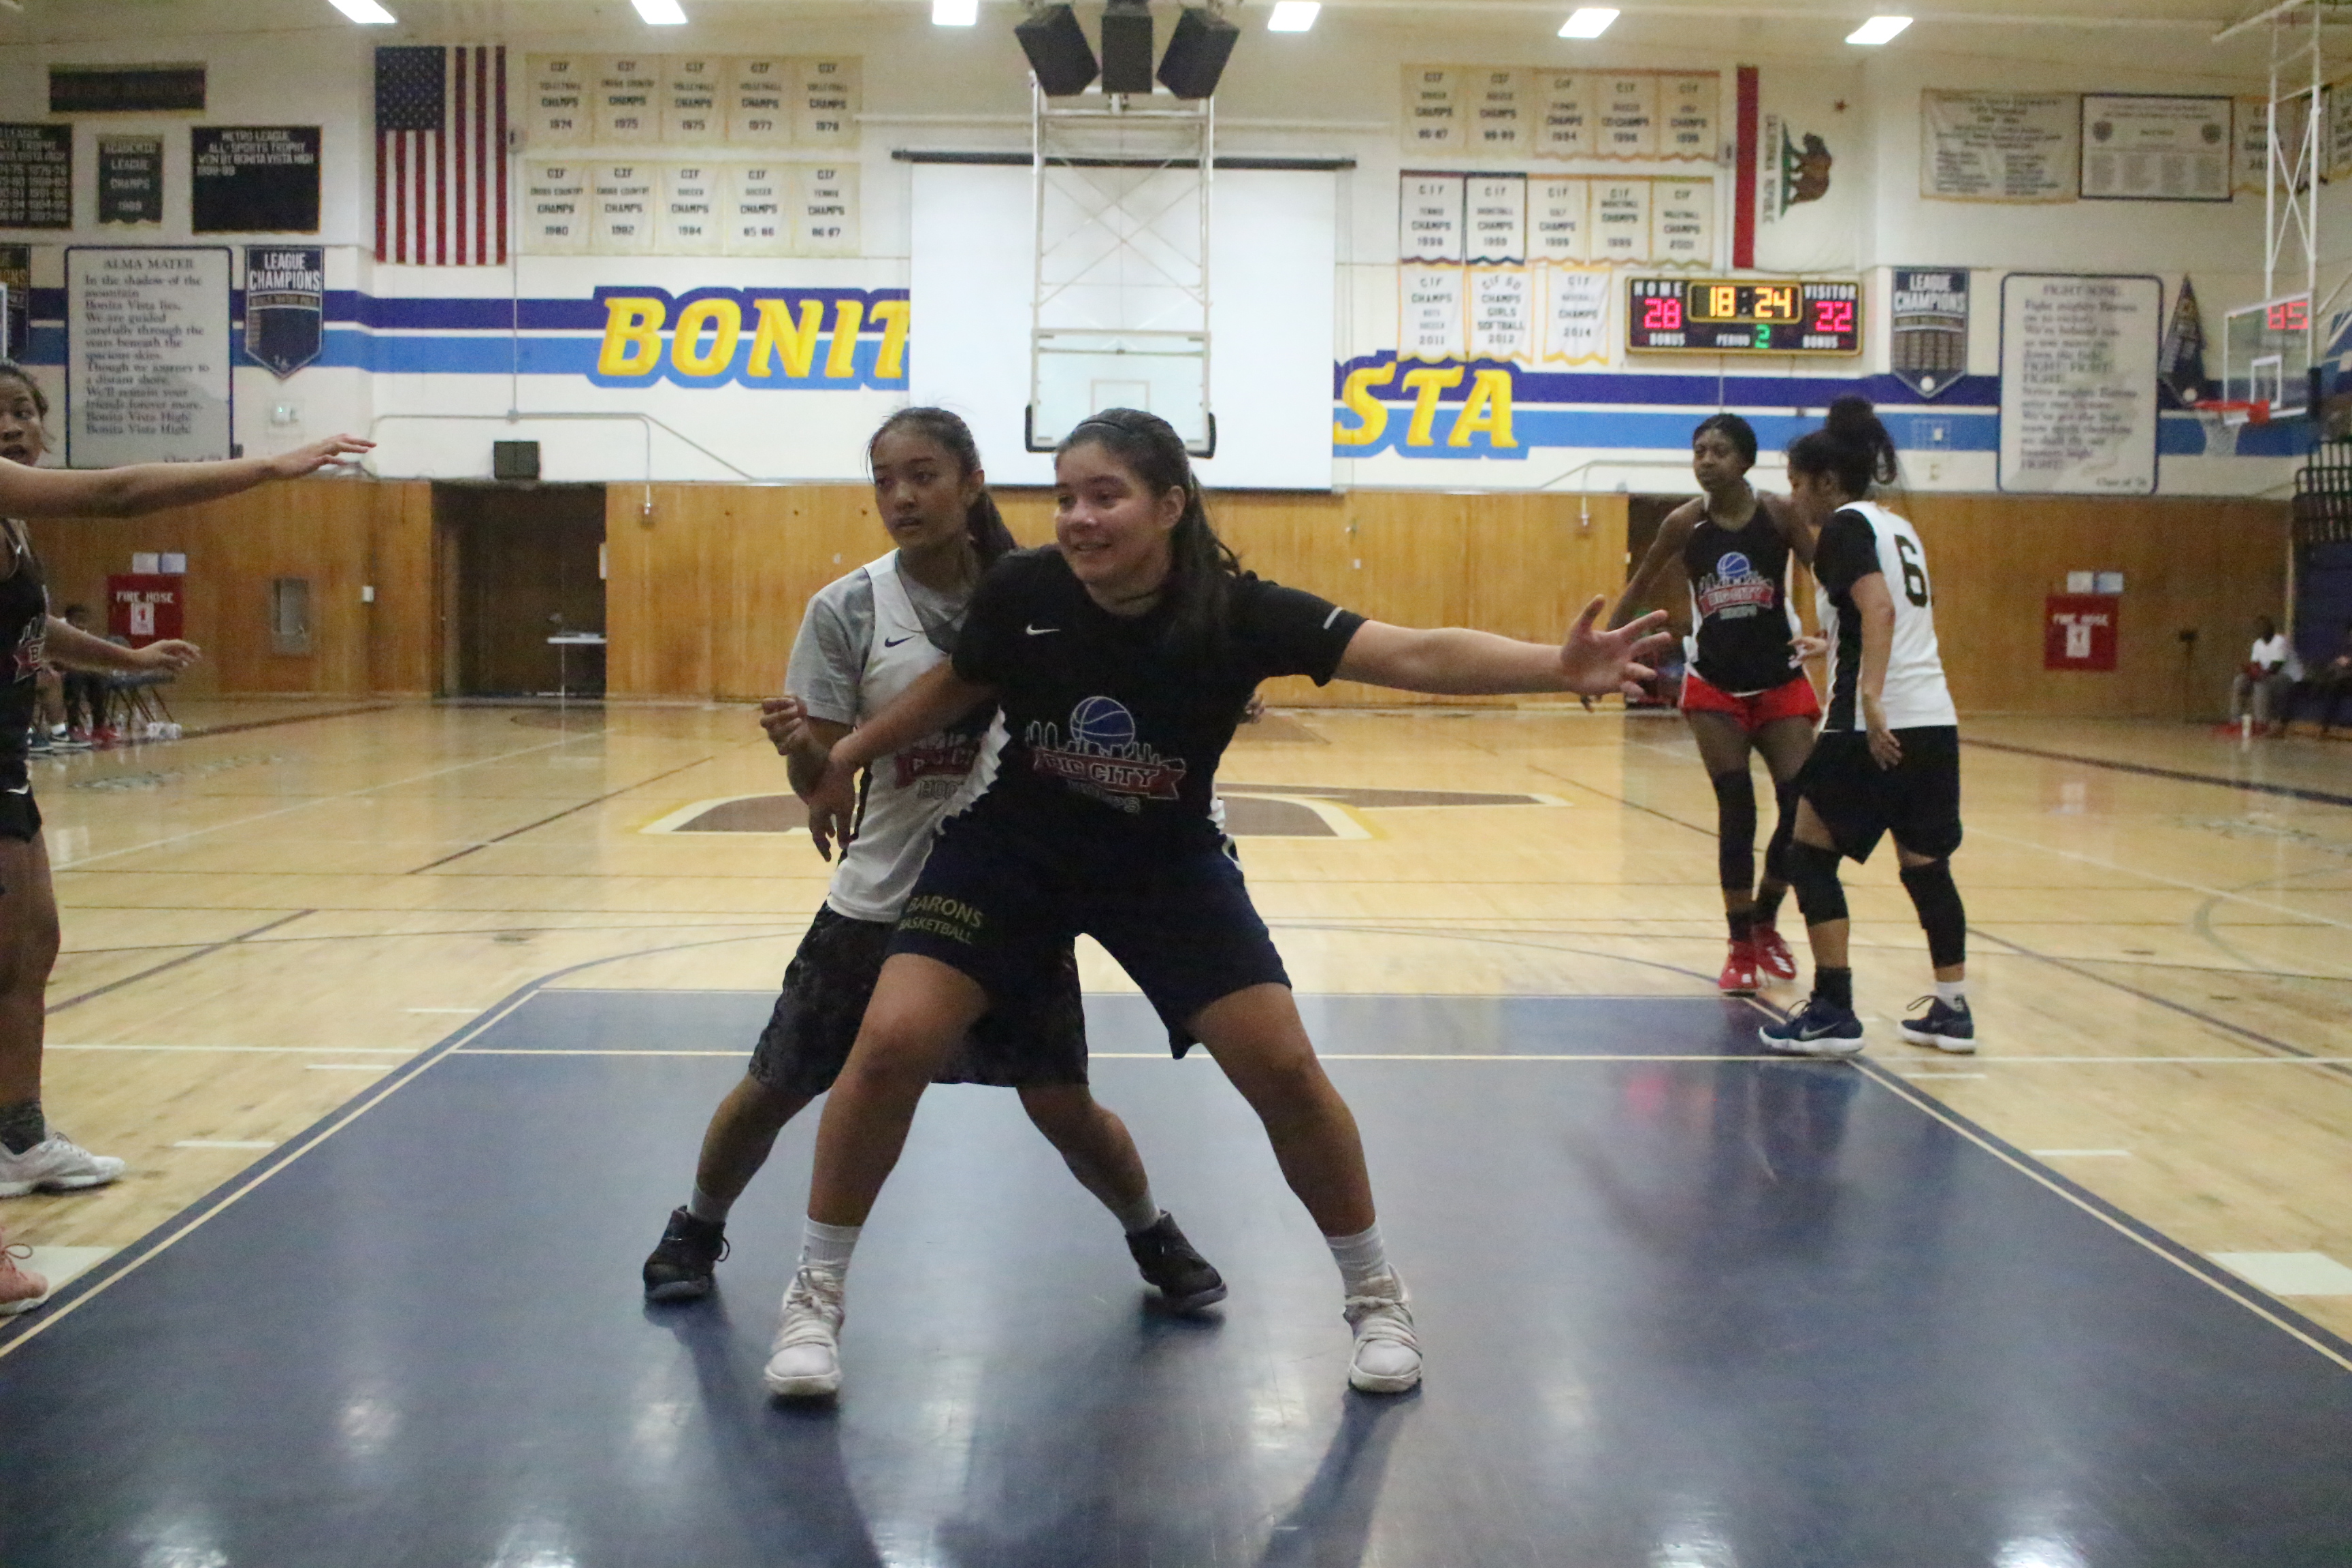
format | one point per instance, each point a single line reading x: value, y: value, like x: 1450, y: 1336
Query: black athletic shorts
x: 19, y: 817
x: 1036, y: 1040
x: 1917, y: 799
x: 998, y: 903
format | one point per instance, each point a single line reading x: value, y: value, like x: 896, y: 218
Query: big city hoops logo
x: 1102, y: 758
x: 1734, y: 590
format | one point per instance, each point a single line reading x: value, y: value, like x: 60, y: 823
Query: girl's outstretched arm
x: 150, y: 487
x: 1455, y: 661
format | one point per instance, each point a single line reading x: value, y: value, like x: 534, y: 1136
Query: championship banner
x: 285, y: 305
x: 1930, y: 322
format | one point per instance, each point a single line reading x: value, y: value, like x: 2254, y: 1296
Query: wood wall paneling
x: 705, y: 596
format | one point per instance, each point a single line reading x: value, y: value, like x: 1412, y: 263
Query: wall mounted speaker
x: 1057, y: 50
x: 1126, y: 46
x: 514, y: 459
x: 1197, y: 52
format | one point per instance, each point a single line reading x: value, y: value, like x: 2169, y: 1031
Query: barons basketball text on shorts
x: 1102, y: 758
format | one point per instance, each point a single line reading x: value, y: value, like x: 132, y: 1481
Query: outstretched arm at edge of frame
x: 1453, y: 661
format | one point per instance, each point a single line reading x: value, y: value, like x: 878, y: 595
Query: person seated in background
x: 2331, y: 683
x: 85, y: 689
x: 2268, y: 677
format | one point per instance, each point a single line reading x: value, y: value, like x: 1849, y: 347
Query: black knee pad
x: 1784, y: 833
x: 1813, y: 872
x: 1735, y: 823
x: 1941, y: 914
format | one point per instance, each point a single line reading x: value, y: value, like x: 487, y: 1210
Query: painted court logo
x: 1103, y: 758
x: 1734, y: 590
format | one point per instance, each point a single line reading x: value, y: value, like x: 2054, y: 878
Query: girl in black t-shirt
x: 1123, y: 657
x: 35, y: 1156
x: 1745, y: 691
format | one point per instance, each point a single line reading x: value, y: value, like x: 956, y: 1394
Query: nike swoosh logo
x: 25, y: 790
x: 1040, y: 631
x: 1822, y: 1032
x: 893, y: 642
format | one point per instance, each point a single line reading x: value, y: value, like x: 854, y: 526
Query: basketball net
x: 2222, y: 421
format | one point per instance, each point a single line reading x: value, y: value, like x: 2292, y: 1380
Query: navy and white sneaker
x: 1819, y: 1028
x: 1944, y: 1027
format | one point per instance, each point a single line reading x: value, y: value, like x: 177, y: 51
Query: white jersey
x: 904, y: 794
x: 1864, y: 537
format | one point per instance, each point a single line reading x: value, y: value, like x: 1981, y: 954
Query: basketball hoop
x: 2223, y: 418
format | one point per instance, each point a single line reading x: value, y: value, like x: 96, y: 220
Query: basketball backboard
x: 2266, y: 356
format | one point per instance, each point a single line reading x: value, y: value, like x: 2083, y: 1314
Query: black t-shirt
x: 1846, y: 553
x: 24, y: 632
x: 1740, y: 602
x: 1112, y: 725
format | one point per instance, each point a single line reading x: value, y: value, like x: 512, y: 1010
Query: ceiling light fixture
x: 366, y: 13
x: 1588, y: 22
x: 660, y: 13
x: 954, y: 12
x: 1293, y: 15
x: 1878, y: 29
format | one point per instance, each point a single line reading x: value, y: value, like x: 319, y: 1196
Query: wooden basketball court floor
x: 407, y: 1019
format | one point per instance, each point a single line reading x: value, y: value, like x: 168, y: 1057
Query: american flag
x: 441, y: 155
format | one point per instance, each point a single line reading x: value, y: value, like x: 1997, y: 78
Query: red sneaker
x: 1773, y: 954
x: 20, y: 1289
x: 1738, y: 977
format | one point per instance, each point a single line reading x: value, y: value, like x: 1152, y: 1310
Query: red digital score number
x: 1661, y: 314
x: 1832, y: 315
x: 2288, y: 316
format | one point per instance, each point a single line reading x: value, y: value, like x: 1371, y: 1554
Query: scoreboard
x: 1715, y: 315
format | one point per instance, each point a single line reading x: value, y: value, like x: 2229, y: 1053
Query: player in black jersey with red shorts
x: 1745, y: 690
x: 35, y: 1156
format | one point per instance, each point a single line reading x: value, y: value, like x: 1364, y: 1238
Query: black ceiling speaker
x: 1126, y: 46
x: 1057, y: 50
x: 1197, y: 52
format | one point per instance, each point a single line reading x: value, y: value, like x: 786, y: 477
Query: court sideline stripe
x: 184, y: 1224
x: 567, y: 811
x: 2313, y: 1335
x: 2145, y: 770
x: 54, y: 1007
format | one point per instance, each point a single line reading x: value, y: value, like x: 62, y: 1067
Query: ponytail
x: 982, y: 523
x: 1852, y: 446
x: 1202, y: 566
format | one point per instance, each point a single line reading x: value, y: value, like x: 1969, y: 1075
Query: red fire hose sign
x: 144, y: 609
x: 2079, y: 631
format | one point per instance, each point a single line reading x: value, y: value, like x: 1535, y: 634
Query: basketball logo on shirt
x: 1103, y: 758
x: 1734, y: 590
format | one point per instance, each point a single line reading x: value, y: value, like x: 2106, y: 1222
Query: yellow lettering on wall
x: 632, y: 335
x: 686, y: 351
x: 841, y: 360
x: 891, y: 363
x: 1488, y: 408
x: 1425, y: 384
x: 777, y: 334
x: 1371, y: 414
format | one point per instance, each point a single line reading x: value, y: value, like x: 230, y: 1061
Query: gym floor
x: 408, y: 1019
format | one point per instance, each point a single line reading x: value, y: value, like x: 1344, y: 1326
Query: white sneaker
x: 806, y: 1361
x: 1388, y: 1355
x: 56, y: 1165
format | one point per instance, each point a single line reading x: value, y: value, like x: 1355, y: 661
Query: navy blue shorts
x: 998, y: 905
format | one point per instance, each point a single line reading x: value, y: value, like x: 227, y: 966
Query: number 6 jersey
x: 1865, y: 538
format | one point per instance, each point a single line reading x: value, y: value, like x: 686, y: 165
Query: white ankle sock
x: 828, y: 1246
x: 1362, y: 1258
x: 1952, y: 993
x: 1139, y: 1216
x: 705, y: 1208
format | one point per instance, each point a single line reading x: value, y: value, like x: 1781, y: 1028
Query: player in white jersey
x: 1887, y: 760
x: 865, y: 639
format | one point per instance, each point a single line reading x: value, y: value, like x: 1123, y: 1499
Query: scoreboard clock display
x: 1718, y: 316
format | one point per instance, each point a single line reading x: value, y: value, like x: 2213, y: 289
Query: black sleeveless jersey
x: 1739, y: 604
x: 24, y: 631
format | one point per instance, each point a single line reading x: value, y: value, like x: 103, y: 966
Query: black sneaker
x: 1187, y: 1280
x: 680, y: 1268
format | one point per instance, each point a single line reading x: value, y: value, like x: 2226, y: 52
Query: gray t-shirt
x: 828, y: 662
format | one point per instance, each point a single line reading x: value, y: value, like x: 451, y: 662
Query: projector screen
x: 1271, y: 266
